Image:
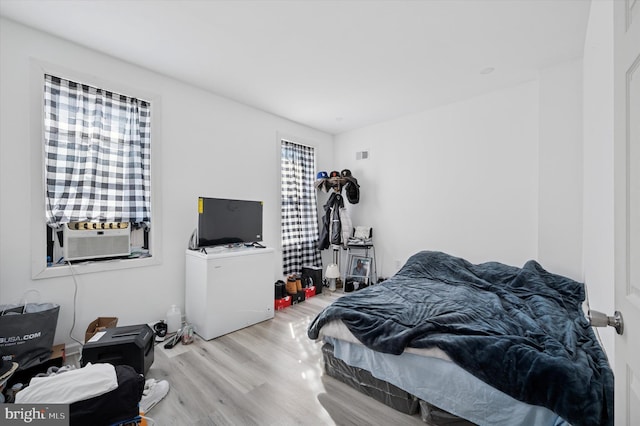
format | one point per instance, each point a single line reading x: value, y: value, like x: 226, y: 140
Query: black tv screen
x: 222, y: 221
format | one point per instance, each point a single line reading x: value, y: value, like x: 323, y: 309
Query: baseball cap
x: 321, y: 180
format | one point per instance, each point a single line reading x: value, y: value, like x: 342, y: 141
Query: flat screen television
x: 223, y: 222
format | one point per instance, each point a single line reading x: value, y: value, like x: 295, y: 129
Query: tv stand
x: 228, y: 289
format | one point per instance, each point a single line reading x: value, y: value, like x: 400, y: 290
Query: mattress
x: 430, y: 376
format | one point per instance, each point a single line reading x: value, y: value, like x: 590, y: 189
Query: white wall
x: 210, y: 147
x: 560, y: 148
x: 598, y: 236
x: 496, y: 177
x: 462, y: 179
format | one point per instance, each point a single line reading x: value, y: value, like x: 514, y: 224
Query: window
x: 298, y: 208
x: 96, y: 170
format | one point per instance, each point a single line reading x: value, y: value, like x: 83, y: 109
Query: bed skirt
x: 390, y: 395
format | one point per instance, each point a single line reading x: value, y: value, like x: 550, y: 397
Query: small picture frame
x: 359, y: 266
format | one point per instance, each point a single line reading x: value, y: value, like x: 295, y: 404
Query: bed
x: 489, y: 343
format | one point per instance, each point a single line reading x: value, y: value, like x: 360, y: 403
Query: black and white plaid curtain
x: 97, y: 154
x: 299, y: 208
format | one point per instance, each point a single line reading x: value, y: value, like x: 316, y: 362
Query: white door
x: 627, y: 208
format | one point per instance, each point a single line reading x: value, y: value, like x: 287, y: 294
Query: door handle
x: 598, y: 319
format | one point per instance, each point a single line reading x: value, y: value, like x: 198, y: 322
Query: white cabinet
x: 228, y: 289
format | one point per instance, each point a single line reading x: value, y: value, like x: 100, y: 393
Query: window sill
x: 92, y: 266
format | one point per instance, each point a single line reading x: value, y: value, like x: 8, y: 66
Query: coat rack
x: 335, y: 183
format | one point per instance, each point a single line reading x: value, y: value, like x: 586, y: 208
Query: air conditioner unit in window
x: 90, y: 240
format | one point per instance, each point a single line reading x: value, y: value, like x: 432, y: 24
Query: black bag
x: 27, y: 332
x: 312, y: 276
x: 280, y: 290
x: 355, y: 283
x: 113, y: 407
x: 299, y: 297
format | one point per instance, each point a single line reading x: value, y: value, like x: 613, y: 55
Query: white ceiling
x: 331, y: 65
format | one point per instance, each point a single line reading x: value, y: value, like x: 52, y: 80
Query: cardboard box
x: 309, y: 292
x: 280, y: 304
x: 59, y: 352
x: 99, y: 324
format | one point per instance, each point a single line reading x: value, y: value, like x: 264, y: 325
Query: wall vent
x: 362, y: 155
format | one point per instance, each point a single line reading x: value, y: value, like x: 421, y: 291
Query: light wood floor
x: 267, y: 374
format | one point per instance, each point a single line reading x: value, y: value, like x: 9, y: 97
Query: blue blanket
x: 521, y: 330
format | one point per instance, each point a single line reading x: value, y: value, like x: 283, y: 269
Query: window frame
x: 39, y: 268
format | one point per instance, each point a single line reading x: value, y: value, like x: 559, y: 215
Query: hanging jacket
x: 335, y: 231
x: 331, y: 222
x: 345, y: 225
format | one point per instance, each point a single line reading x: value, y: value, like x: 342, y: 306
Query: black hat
x: 334, y: 173
x: 346, y: 174
x: 352, y: 190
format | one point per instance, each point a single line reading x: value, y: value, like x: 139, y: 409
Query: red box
x: 309, y: 291
x: 280, y: 304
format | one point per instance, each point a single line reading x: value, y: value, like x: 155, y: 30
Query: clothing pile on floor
x: 97, y: 394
